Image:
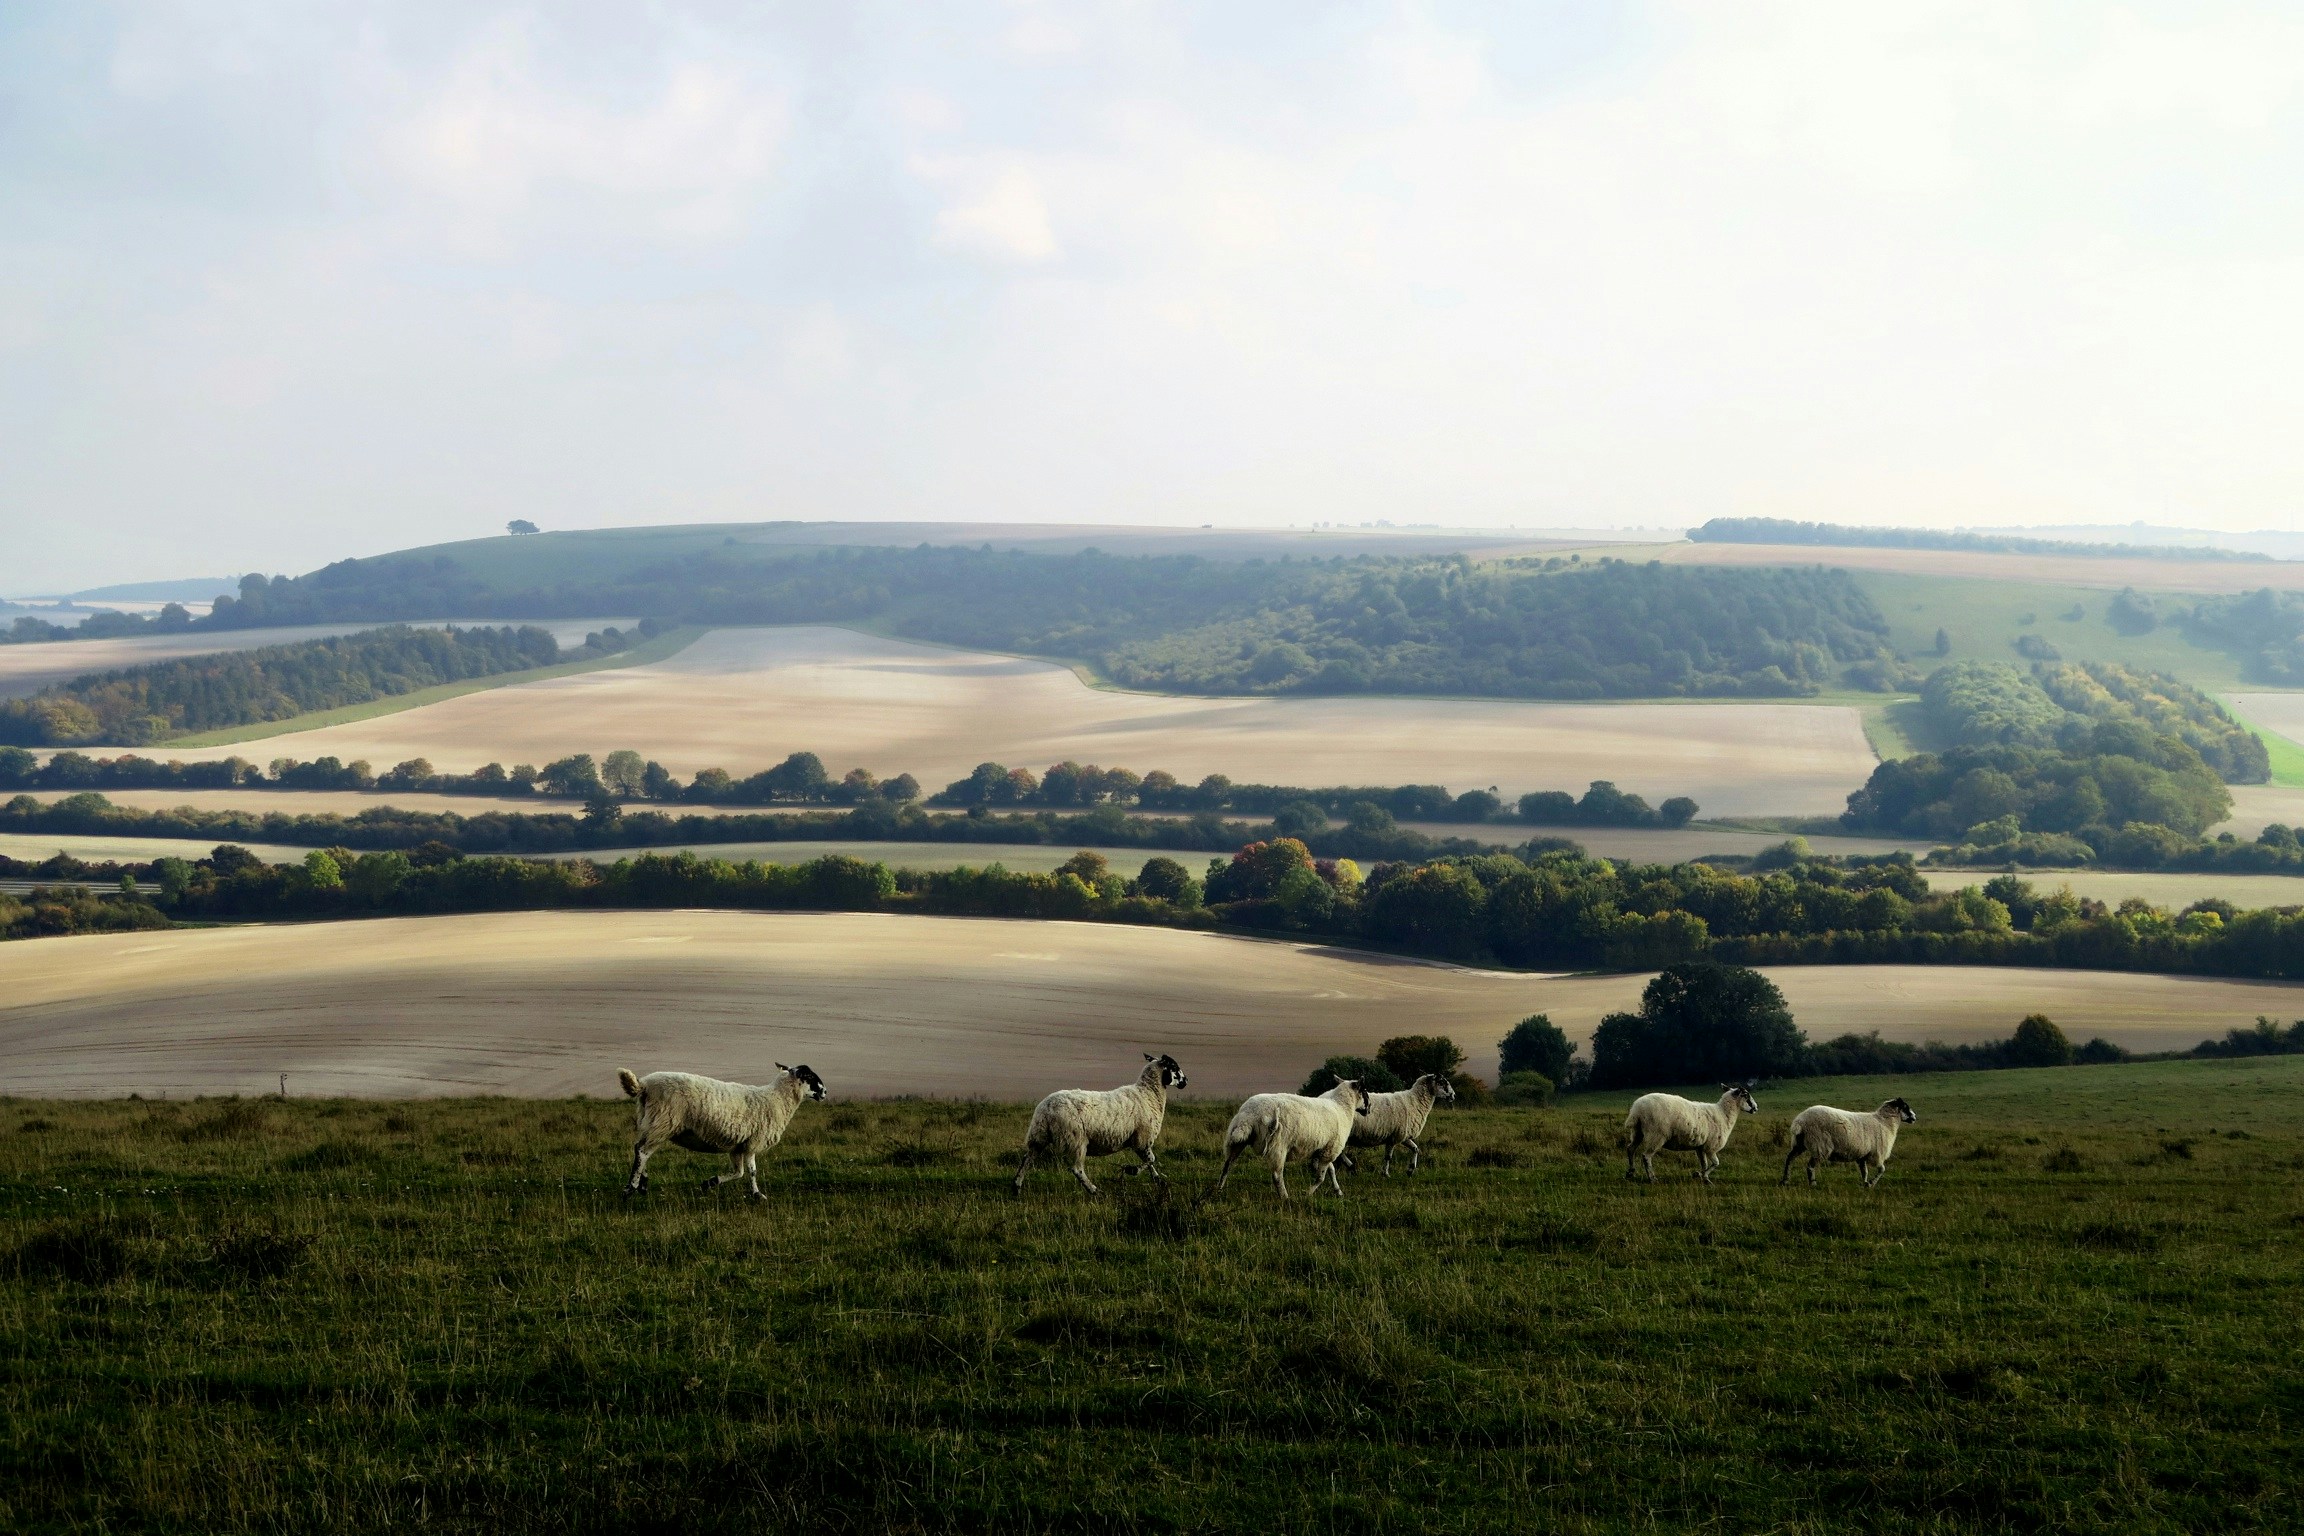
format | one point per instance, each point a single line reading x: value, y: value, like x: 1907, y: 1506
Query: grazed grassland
x: 2069, y: 1306
x: 743, y: 698
x: 543, y: 1004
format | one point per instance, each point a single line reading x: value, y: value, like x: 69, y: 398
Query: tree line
x: 135, y: 705
x: 1532, y: 629
x: 1779, y: 530
x: 1543, y: 907
x: 801, y: 778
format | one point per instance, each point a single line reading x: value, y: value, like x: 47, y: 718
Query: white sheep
x: 1665, y: 1122
x: 1280, y: 1124
x: 705, y: 1114
x: 1395, y: 1120
x: 1076, y: 1124
x: 1829, y: 1135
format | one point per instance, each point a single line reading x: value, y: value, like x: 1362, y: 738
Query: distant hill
x: 1777, y: 530
x: 197, y: 589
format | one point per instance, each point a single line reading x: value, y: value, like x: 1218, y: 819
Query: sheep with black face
x: 1074, y: 1124
x: 1823, y: 1134
x: 705, y: 1114
x: 1665, y: 1122
x: 1280, y: 1125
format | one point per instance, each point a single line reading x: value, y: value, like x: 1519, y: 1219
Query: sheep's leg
x: 1872, y: 1171
x: 1327, y: 1171
x: 638, y: 1183
x: 1279, y: 1161
x: 1415, y: 1156
x: 1023, y: 1167
x: 1788, y: 1157
x: 752, y: 1174
x: 1080, y: 1167
x: 735, y: 1172
x: 1632, y: 1157
x: 1232, y: 1151
x: 1151, y: 1165
x: 1390, y: 1147
x: 1815, y: 1161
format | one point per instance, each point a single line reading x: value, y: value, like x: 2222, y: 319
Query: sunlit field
x: 2069, y: 1305
x: 741, y: 699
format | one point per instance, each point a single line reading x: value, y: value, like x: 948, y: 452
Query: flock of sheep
x: 1071, y: 1125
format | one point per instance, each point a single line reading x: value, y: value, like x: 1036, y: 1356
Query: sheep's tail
x: 631, y: 1083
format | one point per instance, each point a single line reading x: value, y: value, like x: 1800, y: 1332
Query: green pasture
x: 2070, y: 1305
x: 1983, y: 619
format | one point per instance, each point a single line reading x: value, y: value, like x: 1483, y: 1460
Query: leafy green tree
x: 1164, y: 879
x: 1411, y: 1056
x: 1699, y: 1022
x: 2038, y: 1042
x: 577, y: 777
x: 657, y: 783
x: 1536, y: 1044
x: 624, y: 774
x: 1368, y: 1073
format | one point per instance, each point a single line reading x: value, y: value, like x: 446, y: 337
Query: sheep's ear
x: 1147, y: 1055
x: 782, y: 1068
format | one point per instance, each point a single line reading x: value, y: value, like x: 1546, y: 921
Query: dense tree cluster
x: 1609, y: 630
x: 1779, y: 530
x: 2102, y: 780
x: 200, y: 693
x: 2265, y: 629
x: 105, y: 624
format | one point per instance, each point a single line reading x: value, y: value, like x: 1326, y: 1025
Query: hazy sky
x: 284, y: 282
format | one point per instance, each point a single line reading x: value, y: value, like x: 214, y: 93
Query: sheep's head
x: 1443, y: 1091
x: 1349, y: 1092
x: 1171, y: 1075
x: 1901, y: 1110
x: 1745, y: 1103
x: 807, y: 1076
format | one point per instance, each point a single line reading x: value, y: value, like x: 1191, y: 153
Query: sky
x: 285, y: 283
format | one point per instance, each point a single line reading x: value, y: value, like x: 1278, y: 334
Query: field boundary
x: 660, y: 648
x: 2286, y: 754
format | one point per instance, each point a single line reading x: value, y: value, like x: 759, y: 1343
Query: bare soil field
x: 2174, y: 889
x: 26, y: 669
x: 129, y: 850
x: 550, y: 1004
x: 2078, y: 570
x: 743, y: 698
x: 2256, y: 806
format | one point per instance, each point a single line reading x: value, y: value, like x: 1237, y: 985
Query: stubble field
x: 743, y: 698
x: 546, y: 1004
x: 2068, y: 1307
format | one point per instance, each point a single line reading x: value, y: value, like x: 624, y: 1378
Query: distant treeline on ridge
x: 135, y: 705
x: 1779, y: 530
x: 1552, y: 628
x: 801, y: 779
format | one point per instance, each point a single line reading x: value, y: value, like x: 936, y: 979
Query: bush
x: 1532, y: 1090
x: 1699, y: 1022
x: 1369, y: 1074
x: 2039, y: 1043
x: 1535, y: 1045
x: 1409, y: 1057
x: 2099, y: 1051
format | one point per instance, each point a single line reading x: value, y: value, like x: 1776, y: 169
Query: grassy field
x: 2278, y: 718
x: 2070, y: 1306
x: 743, y: 698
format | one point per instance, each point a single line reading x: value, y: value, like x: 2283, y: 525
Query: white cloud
x: 1001, y: 213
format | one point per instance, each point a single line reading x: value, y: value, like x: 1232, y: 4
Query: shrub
x: 2039, y: 1043
x: 1699, y: 1022
x: 1409, y: 1057
x: 1532, y: 1090
x: 1368, y: 1073
x: 1535, y: 1045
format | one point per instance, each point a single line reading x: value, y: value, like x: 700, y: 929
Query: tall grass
x: 238, y: 1315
